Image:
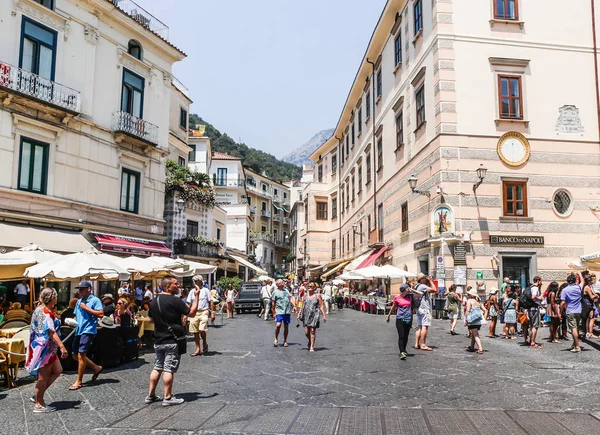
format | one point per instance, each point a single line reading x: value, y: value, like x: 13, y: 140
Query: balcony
x: 286, y: 201
x: 276, y: 218
x: 26, y: 84
x: 258, y: 191
x: 142, y: 16
x: 265, y: 214
x: 261, y: 237
x: 276, y: 198
x: 195, y: 249
x: 253, y: 209
x: 130, y: 125
x: 286, y: 221
x: 228, y: 182
x: 280, y: 243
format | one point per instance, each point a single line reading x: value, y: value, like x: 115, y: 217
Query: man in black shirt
x: 167, y: 310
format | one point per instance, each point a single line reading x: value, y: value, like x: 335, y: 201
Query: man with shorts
x: 167, y: 310
x: 87, y: 311
x: 282, y: 307
x: 424, y: 288
x: 534, y: 312
x: 570, y: 303
x: 199, y: 323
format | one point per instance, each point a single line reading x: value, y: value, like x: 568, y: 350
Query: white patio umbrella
x: 263, y: 278
x: 13, y: 264
x: 143, y: 266
x: 351, y: 276
x: 387, y: 271
x: 90, y: 264
x: 338, y: 282
x: 192, y: 268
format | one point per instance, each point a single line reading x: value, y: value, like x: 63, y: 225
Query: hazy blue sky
x: 269, y: 72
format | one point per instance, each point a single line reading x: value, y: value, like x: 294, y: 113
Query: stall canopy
x: 355, y: 263
x: 372, y: 258
x: 17, y: 236
x: 387, y: 271
x: 131, y: 245
x: 14, y: 263
x: 248, y: 264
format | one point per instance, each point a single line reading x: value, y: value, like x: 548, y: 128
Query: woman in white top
x: 231, y: 295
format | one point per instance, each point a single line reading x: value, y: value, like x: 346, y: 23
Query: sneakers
x: 403, y: 355
x: 275, y: 343
x: 44, y: 410
x: 575, y: 350
x: 32, y: 399
x: 151, y: 399
x: 172, y: 401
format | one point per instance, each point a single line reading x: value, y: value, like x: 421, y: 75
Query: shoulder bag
x: 181, y: 341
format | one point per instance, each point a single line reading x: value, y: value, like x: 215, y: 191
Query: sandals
x: 196, y: 354
x: 427, y: 348
x: 536, y: 346
x: 285, y: 344
x: 75, y: 387
x: 470, y: 349
x: 95, y: 375
x: 479, y: 352
x: 205, y: 349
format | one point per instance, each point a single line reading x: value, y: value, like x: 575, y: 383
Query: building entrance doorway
x: 517, y: 269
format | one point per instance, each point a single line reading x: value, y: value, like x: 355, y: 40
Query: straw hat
x: 420, y: 276
x: 472, y: 292
x: 493, y: 290
x: 107, y: 322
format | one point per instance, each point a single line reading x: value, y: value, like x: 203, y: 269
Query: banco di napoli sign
x: 517, y: 240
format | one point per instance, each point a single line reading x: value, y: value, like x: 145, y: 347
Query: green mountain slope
x: 256, y: 160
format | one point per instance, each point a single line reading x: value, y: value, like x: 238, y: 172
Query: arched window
x: 135, y: 49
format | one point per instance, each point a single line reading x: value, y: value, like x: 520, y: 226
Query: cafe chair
x: 5, y: 370
x: 14, y: 324
x: 142, y: 314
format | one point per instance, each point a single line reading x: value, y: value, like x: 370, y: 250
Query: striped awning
x: 335, y: 269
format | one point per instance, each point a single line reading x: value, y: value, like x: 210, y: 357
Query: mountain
x: 257, y: 160
x: 300, y: 155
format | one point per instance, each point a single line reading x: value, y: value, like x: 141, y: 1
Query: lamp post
x: 412, y: 182
x: 481, y: 173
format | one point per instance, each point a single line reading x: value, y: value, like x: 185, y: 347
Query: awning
x: 285, y: 209
x: 335, y: 269
x: 131, y: 245
x: 18, y: 236
x: 277, y: 207
x: 250, y: 265
x: 354, y: 263
x: 372, y: 258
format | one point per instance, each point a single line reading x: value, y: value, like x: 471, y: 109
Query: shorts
x: 424, y: 319
x: 199, y: 322
x: 283, y: 318
x: 167, y: 358
x: 534, y: 318
x: 82, y: 343
x: 470, y: 327
x: 573, y: 321
x: 453, y: 315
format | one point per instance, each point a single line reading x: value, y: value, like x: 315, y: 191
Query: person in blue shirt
x: 87, y: 311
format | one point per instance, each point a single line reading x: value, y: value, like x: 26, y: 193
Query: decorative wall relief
x: 569, y: 120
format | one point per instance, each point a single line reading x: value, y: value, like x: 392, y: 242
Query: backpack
x: 525, y: 300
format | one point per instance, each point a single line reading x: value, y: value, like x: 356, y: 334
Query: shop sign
x: 460, y: 275
x: 517, y: 240
x: 421, y: 245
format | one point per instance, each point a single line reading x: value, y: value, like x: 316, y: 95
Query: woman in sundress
x: 511, y: 305
x: 312, y: 306
x: 42, y: 358
x: 473, y: 320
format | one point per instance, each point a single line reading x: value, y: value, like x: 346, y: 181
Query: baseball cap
x: 404, y: 287
x: 84, y: 284
x: 108, y: 296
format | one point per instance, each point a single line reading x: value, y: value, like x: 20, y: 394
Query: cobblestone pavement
x: 353, y: 384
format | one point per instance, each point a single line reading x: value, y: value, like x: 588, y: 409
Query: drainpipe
x: 596, y: 65
x: 339, y: 217
x: 374, y: 179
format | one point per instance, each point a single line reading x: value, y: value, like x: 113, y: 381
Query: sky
x: 269, y: 73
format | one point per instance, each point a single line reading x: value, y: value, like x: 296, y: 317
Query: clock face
x: 513, y: 149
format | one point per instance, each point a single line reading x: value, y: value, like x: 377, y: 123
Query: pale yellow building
x: 451, y: 93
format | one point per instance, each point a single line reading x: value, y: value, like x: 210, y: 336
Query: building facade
x: 467, y: 146
x: 84, y: 124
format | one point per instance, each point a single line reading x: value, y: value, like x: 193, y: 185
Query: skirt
x: 510, y: 316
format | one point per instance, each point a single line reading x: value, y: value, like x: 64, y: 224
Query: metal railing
x: 134, y: 126
x: 282, y: 243
x: 276, y: 218
x: 265, y: 213
x: 286, y: 201
x: 257, y: 237
x: 276, y: 198
x: 228, y: 182
x: 286, y: 220
x: 197, y: 250
x: 142, y: 16
x: 28, y: 83
x: 258, y: 191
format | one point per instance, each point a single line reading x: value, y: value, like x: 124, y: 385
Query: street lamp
x: 355, y: 230
x: 179, y: 204
x: 412, y: 182
x: 481, y: 172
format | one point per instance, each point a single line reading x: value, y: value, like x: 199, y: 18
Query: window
x: 379, y: 154
x: 361, y: 232
x: 368, y: 105
x: 418, y: 15
x: 135, y: 49
x: 348, y: 241
x: 48, y: 3
x: 342, y: 198
x: 398, y: 49
x: 380, y: 222
x: 263, y: 206
x: 511, y: 103
x: 359, y: 121
x: 130, y: 191
x: 353, y: 190
x: 333, y: 208
x: 321, y: 210
x: 276, y: 192
x: 348, y: 146
x: 221, y: 177
x: 347, y: 194
x: 334, y: 164
x: 506, y: 9
x: 38, y: 53
x: 360, y: 177
x: 333, y: 249
x: 192, y: 154
x: 132, y: 96
x: 399, y: 130
x: 420, y: 99
x: 379, y: 84
x: 218, y: 233
x: 183, y: 118
x: 320, y: 173
x: 404, y: 214
x: 342, y: 245
x: 181, y: 161
x: 562, y: 202
x: 264, y: 187
x: 33, y: 166
x: 342, y: 152
x: 263, y: 229
x: 353, y: 241
x: 369, y: 223
x: 353, y: 135
x: 192, y: 229
x: 368, y: 169
x: 515, y: 198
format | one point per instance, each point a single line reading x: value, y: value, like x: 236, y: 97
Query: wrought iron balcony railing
x: 30, y: 84
x: 276, y: 218
x: 276, y: 198
x: 143, y: 17
x: 228, y: 182
x: 127, y: 123
x: 286, y: 220
x: 265, y: 213
x: 257, y: 237
x: 187, y: 247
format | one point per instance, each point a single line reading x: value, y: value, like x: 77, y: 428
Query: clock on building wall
x: 513, y: 148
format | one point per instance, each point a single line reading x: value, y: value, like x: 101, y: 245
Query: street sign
x: 460, y: 254
x: 479, y: 275
x: 460, y: 275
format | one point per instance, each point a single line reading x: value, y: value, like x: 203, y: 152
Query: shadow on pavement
x: 192, y: 397
x: 66, y: 404
x: 101, y: 381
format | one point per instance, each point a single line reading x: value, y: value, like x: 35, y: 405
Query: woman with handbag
x: 452, y: 304
x: 511, y: 305
x: 473, y: 320
x: 553, y: 311
x: 493, y: 311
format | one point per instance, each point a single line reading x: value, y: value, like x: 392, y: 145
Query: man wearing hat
x: 425, y: 287
x: 87, y: 311
x: 108, y: 303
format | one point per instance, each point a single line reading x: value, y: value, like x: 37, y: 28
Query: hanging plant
x: 193, y: 187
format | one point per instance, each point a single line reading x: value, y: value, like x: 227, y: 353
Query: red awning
x: 372, y: 258
x: 130, y: 245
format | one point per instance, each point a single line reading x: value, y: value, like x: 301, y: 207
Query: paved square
x: 354, y: 383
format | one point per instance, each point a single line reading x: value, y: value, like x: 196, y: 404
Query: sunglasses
x: 119, y: 303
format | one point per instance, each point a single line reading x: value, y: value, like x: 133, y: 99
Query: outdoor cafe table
x: 8, y: 332
x: 145, y: 324
x: 15, y: 346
